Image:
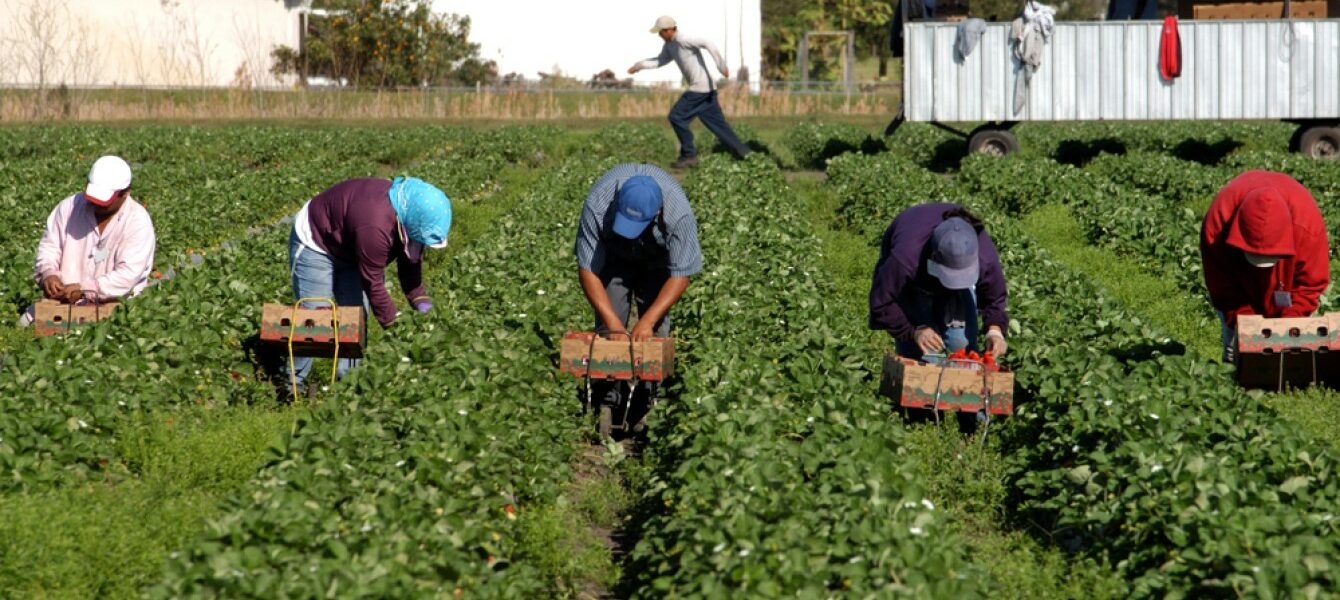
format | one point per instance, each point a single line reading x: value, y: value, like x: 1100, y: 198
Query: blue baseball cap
x: 954, y: 254
x: 636, y: 205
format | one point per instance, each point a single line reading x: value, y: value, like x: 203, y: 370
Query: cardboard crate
x: 315, y: 334
x: 1216, y: 9
x: 583, y: 351
x: 1259, y: 10
x: 962, y: 387
x: 53, y: 317
x: 1288, y: 352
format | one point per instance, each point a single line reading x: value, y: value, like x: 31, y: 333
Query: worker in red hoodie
x: 1264, y: 250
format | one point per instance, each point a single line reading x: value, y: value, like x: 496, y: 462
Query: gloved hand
x: 929, y: 341
x: 423, y: 306
x: 995, y: 342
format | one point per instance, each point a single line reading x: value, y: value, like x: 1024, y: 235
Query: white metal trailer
x: 1287, y: 70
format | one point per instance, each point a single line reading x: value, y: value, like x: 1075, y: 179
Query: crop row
x: 419, y: 474
x: 776, y: 470
x: 1156, y: 462
x: 1147, y: 210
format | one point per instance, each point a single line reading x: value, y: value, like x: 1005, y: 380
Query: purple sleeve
x: 373, y: 248
x: 890, y: 277
x: 991, y: 292
x: 411, y: 279
x: 891, y: 274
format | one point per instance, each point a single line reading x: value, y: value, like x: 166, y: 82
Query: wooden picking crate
x: 53, y: 317
x: 583, y: 352
x: 315, y: 333
x: 1288, y: 352
x: 963, y: 387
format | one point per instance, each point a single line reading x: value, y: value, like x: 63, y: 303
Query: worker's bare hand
x: 632, y: 70
x: 72, y: 293
x: 642, y: 331
x: 929, y: 341
x: 726, y: 72
x: 53, y: 288
x: 616, y: 333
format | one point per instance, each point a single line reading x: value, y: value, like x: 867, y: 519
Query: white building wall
x: 143, y: 42
x: 583, y: 37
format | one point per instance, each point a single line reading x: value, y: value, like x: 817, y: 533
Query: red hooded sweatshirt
x: 1271, y: 214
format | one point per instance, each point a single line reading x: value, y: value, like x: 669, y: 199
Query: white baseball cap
x: 108, y: 176
x: 663, y: 22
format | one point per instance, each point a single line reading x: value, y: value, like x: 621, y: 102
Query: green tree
x: 785, y: 22
x: 385, y: 43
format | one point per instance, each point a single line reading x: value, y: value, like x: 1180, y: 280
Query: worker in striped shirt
x: 700, y: 100
x: 637, y: 243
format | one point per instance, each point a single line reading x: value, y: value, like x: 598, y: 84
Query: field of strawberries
x: 146, y: 455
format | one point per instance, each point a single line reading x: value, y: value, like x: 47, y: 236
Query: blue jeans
x: 316, y: 275
x: 926, y: 310
x: 703, y: 105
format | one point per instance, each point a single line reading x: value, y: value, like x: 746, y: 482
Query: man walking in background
x: 701, y: 98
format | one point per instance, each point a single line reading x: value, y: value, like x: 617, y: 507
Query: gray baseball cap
x: 954, y: 254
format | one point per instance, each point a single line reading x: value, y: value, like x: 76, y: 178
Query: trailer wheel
x: 993, y: 142
x: 1320, y: 142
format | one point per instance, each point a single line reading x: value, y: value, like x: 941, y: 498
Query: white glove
x: 995, y: 343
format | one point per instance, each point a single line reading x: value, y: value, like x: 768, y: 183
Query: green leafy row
x: 418, y: 475
x: 776, y: 470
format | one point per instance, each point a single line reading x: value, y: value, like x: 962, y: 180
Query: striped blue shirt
x: 679, y: 236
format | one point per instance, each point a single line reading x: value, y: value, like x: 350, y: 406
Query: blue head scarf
x: 423, y: 210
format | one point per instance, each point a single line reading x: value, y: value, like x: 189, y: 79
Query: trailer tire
x: 1320, y: 142
x: 993, y: 142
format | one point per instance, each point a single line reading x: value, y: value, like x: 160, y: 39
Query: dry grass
x: 142, y: 105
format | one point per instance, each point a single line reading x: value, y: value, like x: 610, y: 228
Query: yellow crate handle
x: 293, y: 329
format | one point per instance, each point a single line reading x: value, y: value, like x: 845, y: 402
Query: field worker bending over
x: 937, y: 270
x: 344, y: 238
x: 637, y: 242
x: 99, y: 244
x: 700, y: 100
x: 1264, y: 251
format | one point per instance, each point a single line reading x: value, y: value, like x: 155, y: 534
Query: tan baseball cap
x: 663, y: 22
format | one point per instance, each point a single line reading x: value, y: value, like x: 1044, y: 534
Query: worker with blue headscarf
x: 344, y: 238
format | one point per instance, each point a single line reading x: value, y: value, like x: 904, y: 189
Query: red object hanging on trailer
x: 1170, y: 50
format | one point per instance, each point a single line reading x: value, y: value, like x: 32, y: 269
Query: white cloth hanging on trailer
x: 1029, y: 32
x: 969, y: 33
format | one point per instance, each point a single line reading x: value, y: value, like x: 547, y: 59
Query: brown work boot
x: 685, y: 162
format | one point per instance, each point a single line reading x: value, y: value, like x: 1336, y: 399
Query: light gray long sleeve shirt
x: 687, y: 52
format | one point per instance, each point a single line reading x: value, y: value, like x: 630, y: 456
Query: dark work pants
x: 703, y: 105
x: 626, y: 285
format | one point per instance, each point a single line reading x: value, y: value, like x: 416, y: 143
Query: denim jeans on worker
x: 316, y: 275
x: 703, y: 105
x: 952, y: 315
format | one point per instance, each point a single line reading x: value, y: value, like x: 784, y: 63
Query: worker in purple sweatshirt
x: 344, y: 238
x: 937, y: 270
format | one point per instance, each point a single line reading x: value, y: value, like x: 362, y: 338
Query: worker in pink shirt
x: 98, y: 245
